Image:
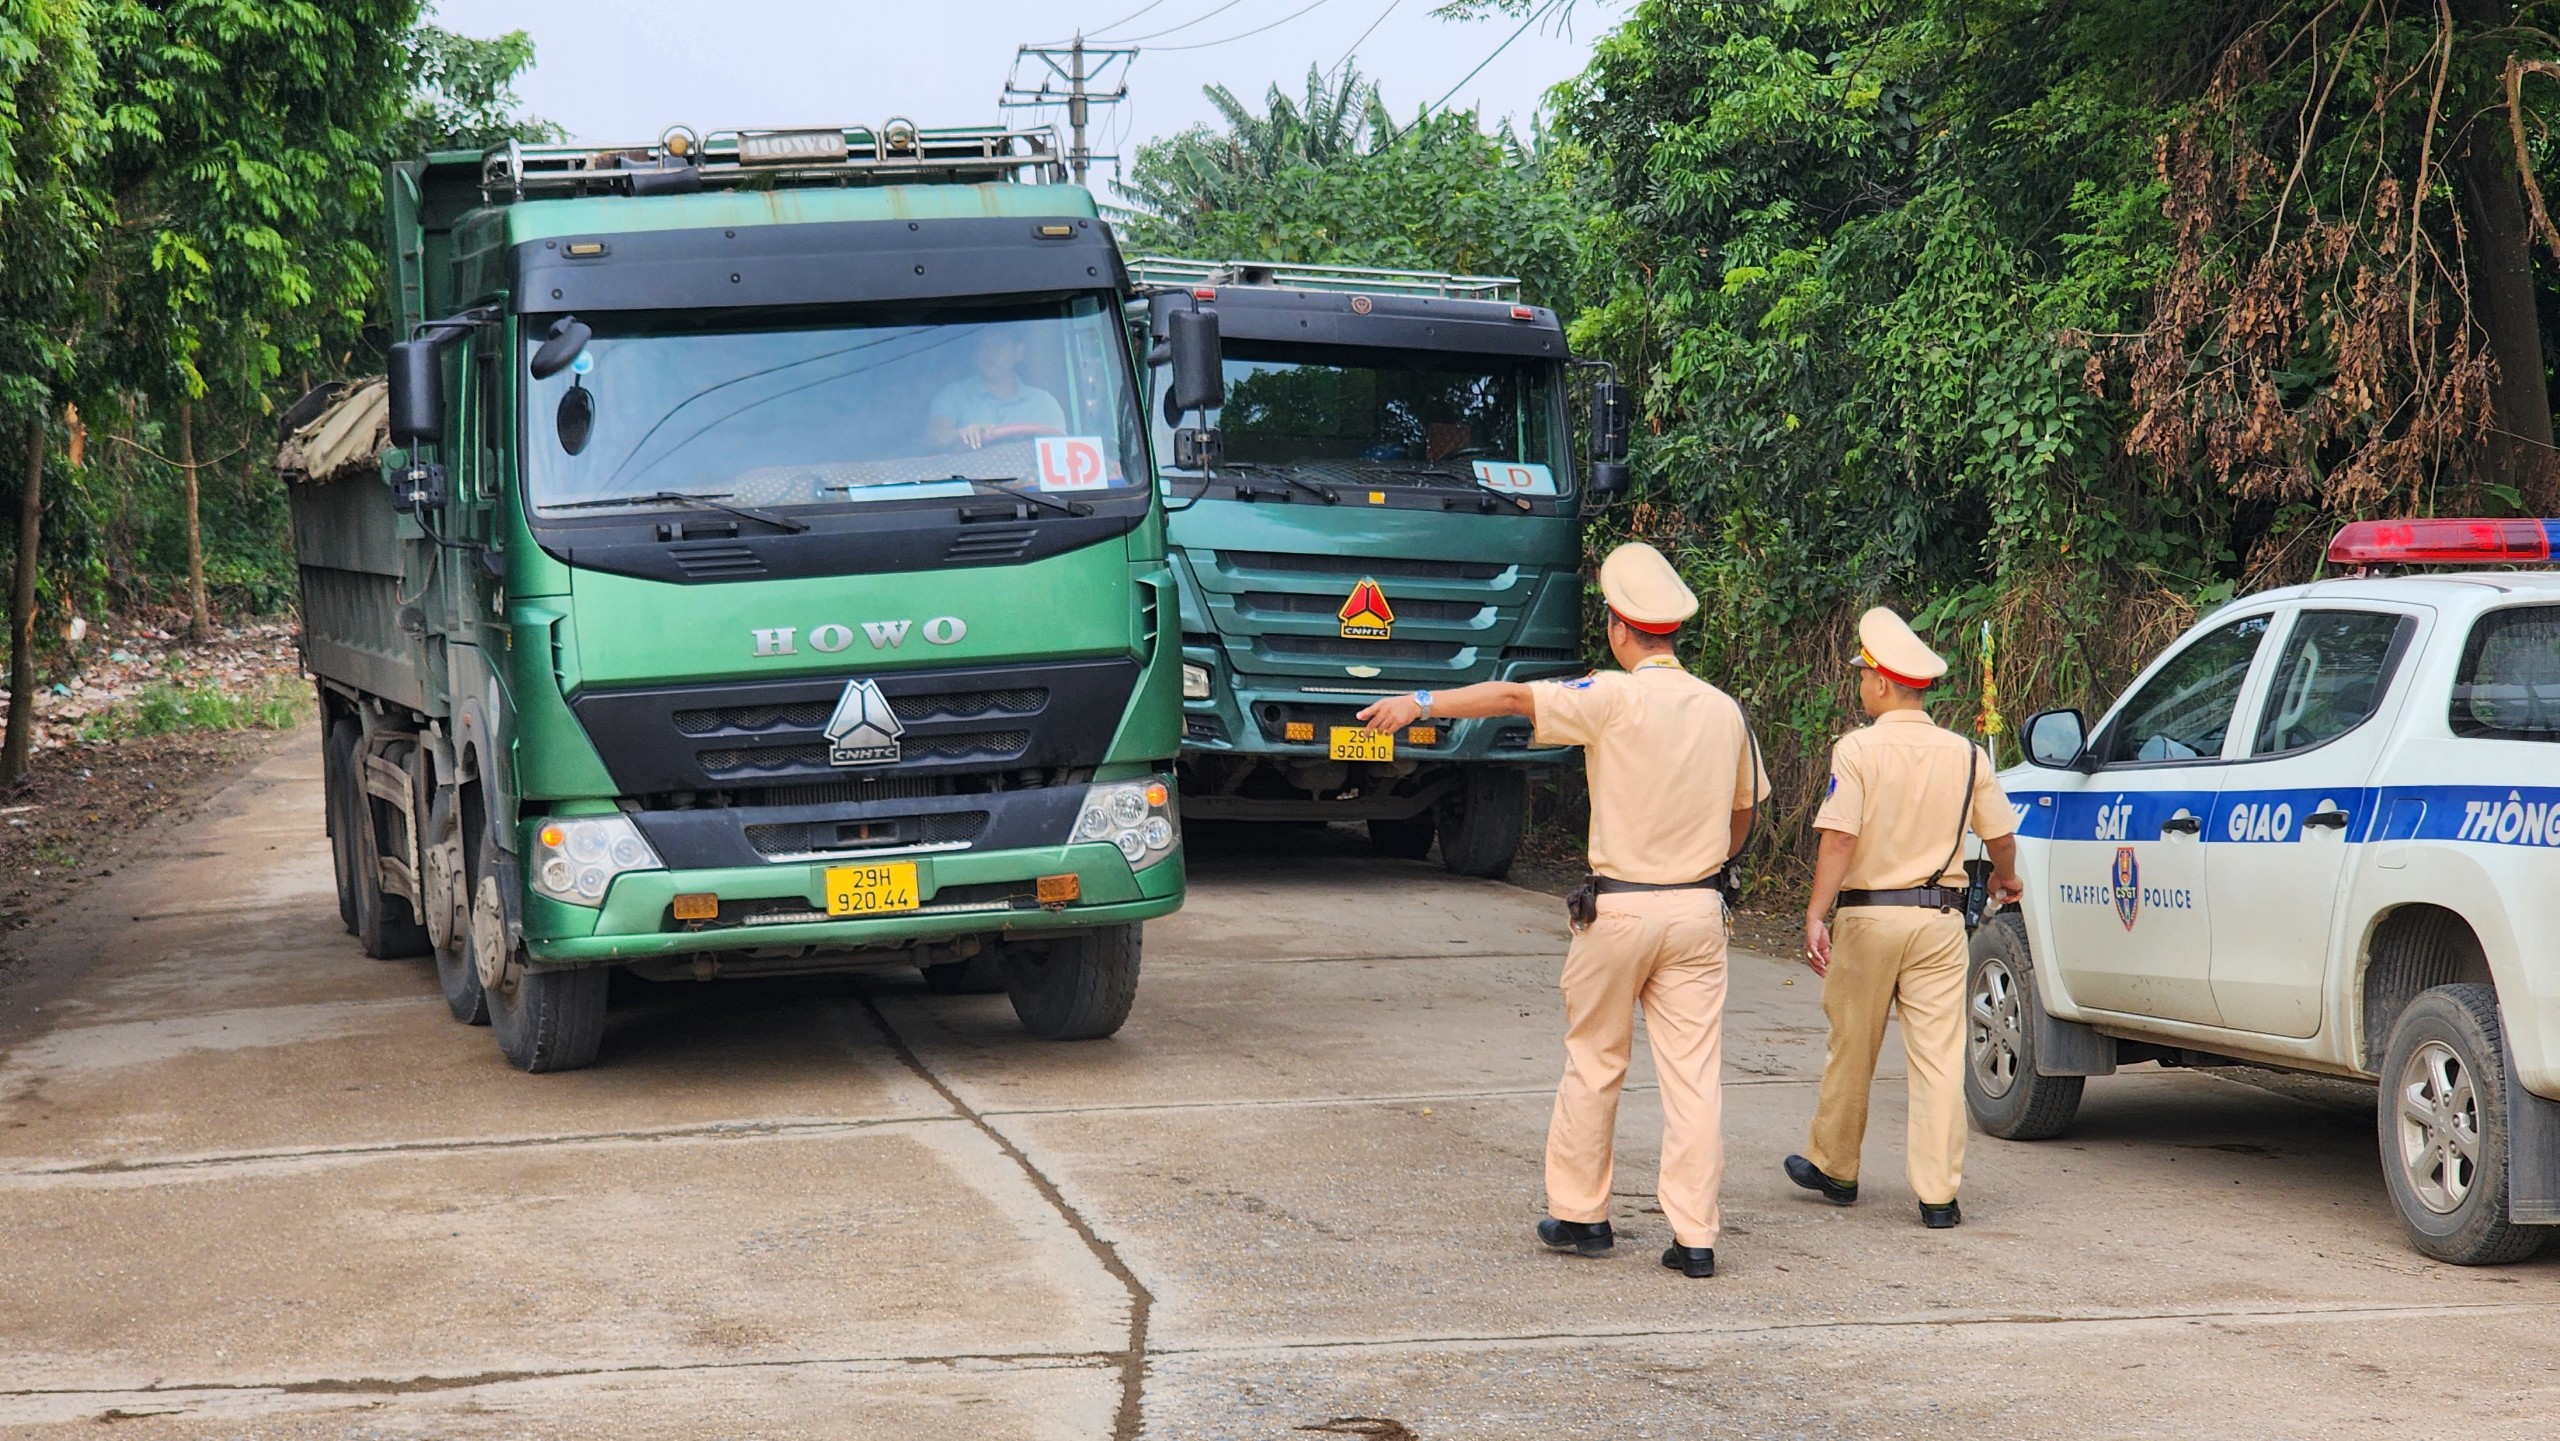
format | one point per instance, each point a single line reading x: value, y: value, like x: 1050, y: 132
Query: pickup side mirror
x: 2056, y: 739
x: 417, y: 393
x: 1199, y: 369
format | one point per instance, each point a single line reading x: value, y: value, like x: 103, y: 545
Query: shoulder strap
x: 1964, y: 815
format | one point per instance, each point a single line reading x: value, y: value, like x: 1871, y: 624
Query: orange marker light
x: 1059, y: 890
x: 1158, y: 794
x: 697, y: 906
x: 1423, y: 735
x: 554, y: 837
x: 1298, y: 730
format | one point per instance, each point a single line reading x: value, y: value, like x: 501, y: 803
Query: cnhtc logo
x: 2128, y: 886
x: 864, y: 731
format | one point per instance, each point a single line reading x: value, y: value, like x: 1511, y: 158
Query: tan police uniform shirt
x: 1898, y: 786
x: 1669, y: 763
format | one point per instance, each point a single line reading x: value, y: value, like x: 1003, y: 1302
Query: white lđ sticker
x: 1073, y: 462
x: 1516, y: 477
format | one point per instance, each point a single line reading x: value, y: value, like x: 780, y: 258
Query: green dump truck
x: 750, y: 566
x: 1386, y: 501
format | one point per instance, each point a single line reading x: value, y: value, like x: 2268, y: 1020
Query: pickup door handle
x: 2182, y: 825
x: 2326, y: 820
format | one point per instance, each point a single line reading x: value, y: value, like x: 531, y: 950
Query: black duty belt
x: 1583, y: 906
x: 1941, y: 898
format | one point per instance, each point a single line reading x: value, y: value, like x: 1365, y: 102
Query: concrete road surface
x: 254, y: 1184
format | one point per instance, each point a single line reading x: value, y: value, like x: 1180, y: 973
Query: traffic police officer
x: 1674, y: 780
x: 1903, y: 792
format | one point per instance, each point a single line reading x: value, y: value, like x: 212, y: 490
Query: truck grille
x: 1352, y: 568
x: 1276, y: 602
x: 1332, y: 648
x: 794, y: 839
x: 768, y: 736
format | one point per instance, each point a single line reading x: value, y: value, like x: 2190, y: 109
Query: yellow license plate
x: 879, y: 890
x: 1354, y: 743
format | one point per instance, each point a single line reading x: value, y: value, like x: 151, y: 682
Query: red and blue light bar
x: 2445, y: 542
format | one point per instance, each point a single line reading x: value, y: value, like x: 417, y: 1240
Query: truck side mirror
x: 1199, y: 369
x: 417, y: 393
x: 2056, y: 738
x: 1611, y: 478
x: 1612, y: 416
x: 568, y: 338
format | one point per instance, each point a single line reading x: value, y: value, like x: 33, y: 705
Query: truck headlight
x: 575, y: 858
x: 1195, y: 681
x: 1136, y: 816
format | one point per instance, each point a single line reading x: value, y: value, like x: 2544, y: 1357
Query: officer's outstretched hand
x: 1817, y: 945
x: 1392, y: 714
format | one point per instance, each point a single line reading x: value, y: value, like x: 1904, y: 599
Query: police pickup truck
x: 2321, y: 833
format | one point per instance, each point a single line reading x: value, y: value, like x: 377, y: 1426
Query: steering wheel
x: 1468, y: 452
x: 992, y: 434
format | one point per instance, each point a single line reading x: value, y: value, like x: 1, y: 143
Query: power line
x: 1082, y: 67
x: 1125, y: 19
x: 1534, y: 17
x: 1355, y: 45
x: 1247, y: 34
x: 1185, y: 25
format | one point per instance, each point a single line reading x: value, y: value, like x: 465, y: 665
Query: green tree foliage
x: 2069, y: 318
x: 1329, y: 178
x: 50, y: 212
x: 462, y: 94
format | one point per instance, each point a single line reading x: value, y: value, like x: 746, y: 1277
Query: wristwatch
x: 1422, y: 698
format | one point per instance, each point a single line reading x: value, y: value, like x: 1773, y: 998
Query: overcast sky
x: 624, y: 71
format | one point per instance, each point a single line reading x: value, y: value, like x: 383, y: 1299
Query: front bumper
x: 971, y: 893
x: 1243, y: 717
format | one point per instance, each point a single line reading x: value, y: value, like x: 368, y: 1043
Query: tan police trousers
x: 1881, y: 956
x: 1665, y: 951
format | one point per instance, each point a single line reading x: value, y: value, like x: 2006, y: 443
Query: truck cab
x: 2315, y: 834
x: 1386, y: 499
x: 762, y: 574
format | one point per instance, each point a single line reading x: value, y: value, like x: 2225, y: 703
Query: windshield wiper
x: 1325, y: 493
x: 715, y: 500
x: 998, y: 487
x: 1463, y: 482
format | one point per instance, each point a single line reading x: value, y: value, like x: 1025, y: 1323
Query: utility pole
x: 1073, y: 71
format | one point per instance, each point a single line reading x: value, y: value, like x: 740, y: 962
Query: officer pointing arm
x: 1674, y: 779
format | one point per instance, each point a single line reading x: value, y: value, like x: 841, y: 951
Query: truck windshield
x: 1388, y: 418
x: 867, y: 408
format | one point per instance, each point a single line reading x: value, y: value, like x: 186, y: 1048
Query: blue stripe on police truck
x: 2487, y: 815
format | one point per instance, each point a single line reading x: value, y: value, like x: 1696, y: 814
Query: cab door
x: 2292, y: 812
x: 2126, y: 881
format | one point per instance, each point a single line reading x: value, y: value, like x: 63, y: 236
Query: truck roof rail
x: 894, y: 150
x: 1170, y: 272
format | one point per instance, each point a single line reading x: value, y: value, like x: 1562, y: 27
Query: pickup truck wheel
x: 1407, y: 840
x: 384, y: 925
x: 334, y: 753
x: 1480, y: 821
x: 980, y: 975
x: 1077, y: 988
x: 2443, y: 1124
x: 2001, y: 1088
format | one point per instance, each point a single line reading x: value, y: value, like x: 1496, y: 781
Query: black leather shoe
x: 1695, y: 1262
x: 1582, y: 1238
x: 1804, y: 1173
x: 1941, y: 1218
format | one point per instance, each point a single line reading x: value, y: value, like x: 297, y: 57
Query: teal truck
x: 1386, y: 500
x: 750, y: 565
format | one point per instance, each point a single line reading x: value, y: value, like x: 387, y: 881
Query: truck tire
x: 1405, y: 840
x: 1480, y: 822
x: 550, y: 1020
x: 457, y: 969
x: 980, y: 975
x: 2443, y: 1129
x: 1077, y: 988
x: 335, y: 749
x: 384, y: 924
x: 2001, y: 1088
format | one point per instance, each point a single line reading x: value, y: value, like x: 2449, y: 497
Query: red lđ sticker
x: 1073, y: 462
